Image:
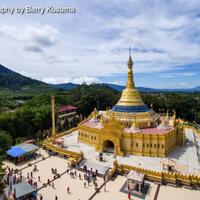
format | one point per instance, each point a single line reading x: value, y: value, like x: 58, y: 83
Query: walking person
x: 56, y: 197
x: 88, y: 180
x: 129, y: 196
x: 68, y: 189
x: 48, y: 182
x: 105, y: 187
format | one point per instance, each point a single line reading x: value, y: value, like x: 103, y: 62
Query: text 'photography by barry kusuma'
x: 37, y: 10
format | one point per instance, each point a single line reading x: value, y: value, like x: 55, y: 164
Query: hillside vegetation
x: 34, y: 117
x: 15, y: 89
x: 25, y: 105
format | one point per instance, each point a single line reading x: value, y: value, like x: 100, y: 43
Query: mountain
x: 10, y: 80
x: 64, y: 86
x: 69, y: 86
x: 196, y: 89
x: 114, y: 86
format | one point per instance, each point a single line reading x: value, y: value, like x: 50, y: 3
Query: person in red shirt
x: 129, y: 195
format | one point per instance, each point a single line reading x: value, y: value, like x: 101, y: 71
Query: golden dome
x: 131, y: 107
x: 130, y: 98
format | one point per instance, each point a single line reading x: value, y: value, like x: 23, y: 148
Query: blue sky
x: 91, y: 45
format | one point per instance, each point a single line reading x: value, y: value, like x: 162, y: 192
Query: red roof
x: 66, y: 108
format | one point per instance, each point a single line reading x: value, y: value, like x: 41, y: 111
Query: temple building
x: 130, y: 127
x: 67, y: 114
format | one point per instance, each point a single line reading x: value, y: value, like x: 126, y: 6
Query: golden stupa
x: 131, y: 107
x: 130, y: 127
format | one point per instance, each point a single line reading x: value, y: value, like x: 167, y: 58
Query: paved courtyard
x: 79, y: 192
x: 112, y: 190
x: 76, y: 185
x: 167, y: 192
x: 185, y: 156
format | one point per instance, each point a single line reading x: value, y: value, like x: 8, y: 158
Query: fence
x: 174, y: 178
x: 74, y: 157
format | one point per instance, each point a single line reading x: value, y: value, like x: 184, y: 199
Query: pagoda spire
x: 130, y: 83
x: 130, y: 96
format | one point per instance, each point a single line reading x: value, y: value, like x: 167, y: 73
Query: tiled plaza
x: 186, y: 155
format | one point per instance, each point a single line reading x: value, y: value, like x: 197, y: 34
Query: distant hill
x: 64, y: 86
x: 10, y: 80
x: 196, y: 89
x: 69, y: 86
x: 115, y: 86
x: 120, y: 88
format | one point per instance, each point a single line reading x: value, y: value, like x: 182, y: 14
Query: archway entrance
x: 108, y: 146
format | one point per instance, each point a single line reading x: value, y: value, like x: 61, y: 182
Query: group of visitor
x: 15, y: 176
x: 12, y: 177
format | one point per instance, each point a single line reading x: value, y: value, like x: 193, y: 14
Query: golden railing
x: 196, y: 130
x: 74, y: 157
x: 168, y: 177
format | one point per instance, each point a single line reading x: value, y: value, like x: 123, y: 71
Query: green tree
x: 5, y: 141
x: 2, y: 173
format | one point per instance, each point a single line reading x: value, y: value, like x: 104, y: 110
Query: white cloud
x: 36, y: 32
x: 33, y: 37
x: 92, y: 42
x: 85, y: 79
x: 80, y: 80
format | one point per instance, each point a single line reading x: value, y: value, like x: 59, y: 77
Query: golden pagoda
x: 131, y: 107
x: 130, y: 127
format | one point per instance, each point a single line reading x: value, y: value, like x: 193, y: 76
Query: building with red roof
x: 67, y: 117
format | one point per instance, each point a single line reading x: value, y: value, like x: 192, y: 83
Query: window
x: 92, y: 137
x: 150, y: 145
x: 158, y: 145
x: 163, y: 146
x: 143, y: 145
x: 136, y: 144
x: 154, y: 145
x: 147, y: 145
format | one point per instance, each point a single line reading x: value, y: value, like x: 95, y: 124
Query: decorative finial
x: 174, y: 115
x: 167, y: 115
x: 130, y: 62
x: 163, y: 121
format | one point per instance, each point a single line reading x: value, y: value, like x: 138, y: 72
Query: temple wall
x: 134, y: 143
x: 88, y: 136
